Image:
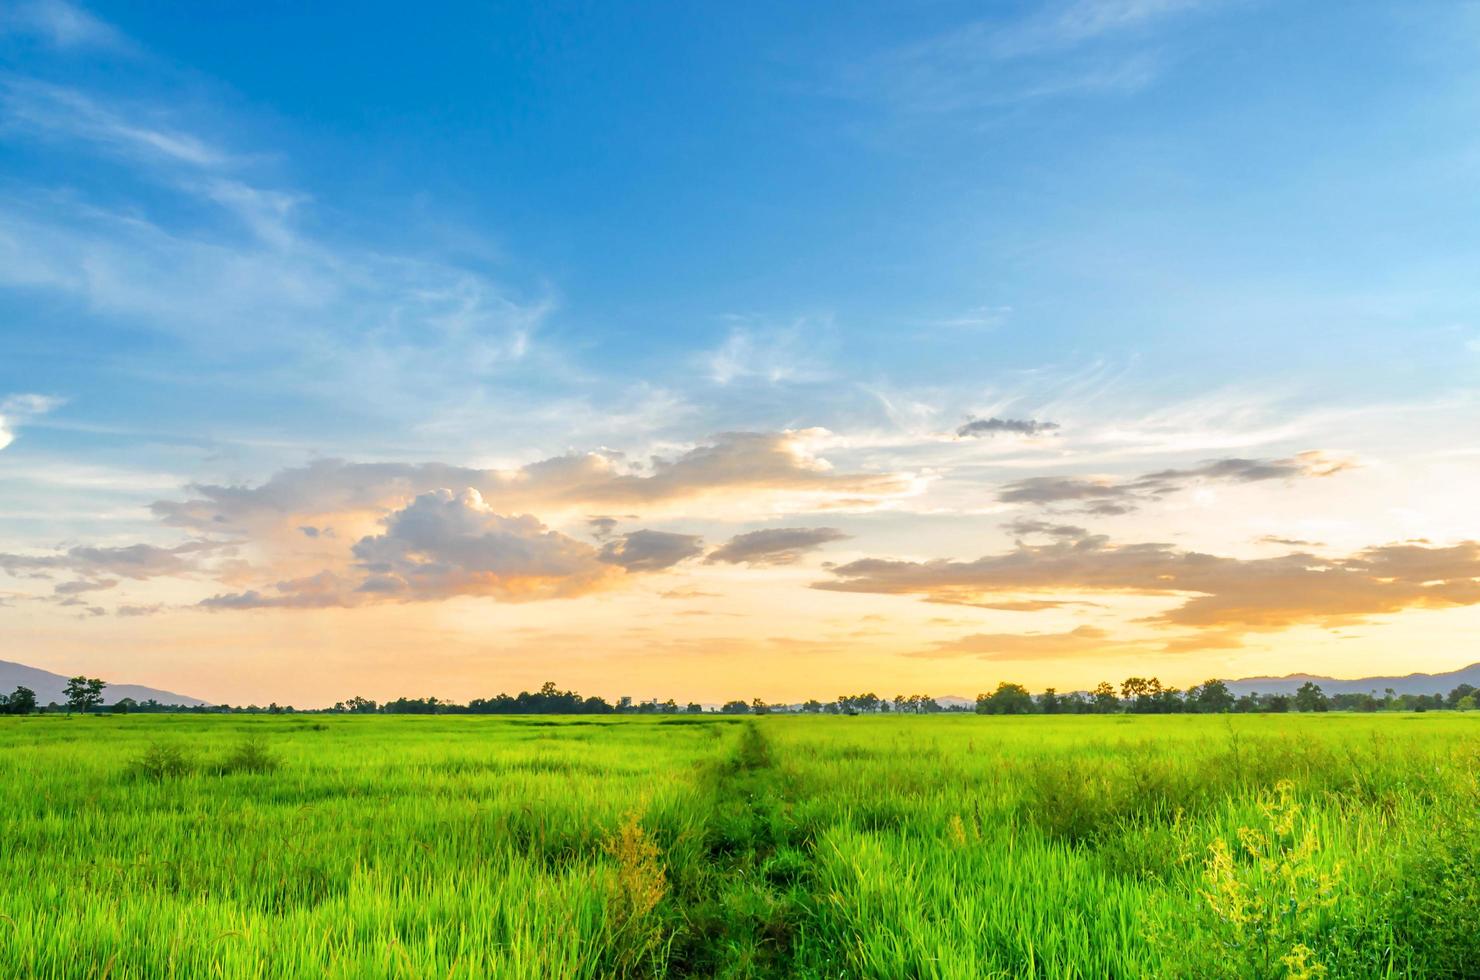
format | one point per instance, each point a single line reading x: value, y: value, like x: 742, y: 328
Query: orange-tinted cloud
x: 733, y: 463
x: 1218, y: 593
x: 135, y: 561
x: 1023, y: 646
x: 446, y: 544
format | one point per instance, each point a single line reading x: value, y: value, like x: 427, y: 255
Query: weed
x: 640, y: 886
x: 1268, y: 896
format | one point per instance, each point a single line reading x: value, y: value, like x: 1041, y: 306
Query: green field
x: 950, y: 846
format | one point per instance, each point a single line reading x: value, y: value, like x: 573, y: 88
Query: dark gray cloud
x: 650, y: 551
x: 1071, y: 533
x: 1107, y: 497
x: 602, y: 527
x: 994, y: 426
x: 135, y: 611
x: 774, y: 546
x: 84, y: 585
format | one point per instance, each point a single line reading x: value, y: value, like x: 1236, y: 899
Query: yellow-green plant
x: 640, y: 886
x: 1269, y: 894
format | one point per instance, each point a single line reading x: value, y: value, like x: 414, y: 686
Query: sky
x: 737, y: 350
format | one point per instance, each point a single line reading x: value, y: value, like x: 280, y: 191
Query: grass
x: 956, y: 846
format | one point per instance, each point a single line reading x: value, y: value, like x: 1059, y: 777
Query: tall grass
x: 149, y: 846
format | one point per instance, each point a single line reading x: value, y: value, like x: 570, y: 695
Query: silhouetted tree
x: 83, y: 693
x: 1310, y: 697
x: 1211, y: 697
x: 1355, y: 701
x: 22, y: 701
x: 1008, y: 699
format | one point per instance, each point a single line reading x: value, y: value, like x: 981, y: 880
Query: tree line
x: 82, y: 694
x: 1135, y: 695
x: 1142, y: 695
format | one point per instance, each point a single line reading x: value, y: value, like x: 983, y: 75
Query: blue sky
x: 238, y: 239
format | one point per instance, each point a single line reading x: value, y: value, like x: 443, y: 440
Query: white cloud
x: 769, y: 353
x: 16, y: 410
x: 1066, y: 25
x: 731, y: 465
x: 55, y: 112
x: 1081, y: 47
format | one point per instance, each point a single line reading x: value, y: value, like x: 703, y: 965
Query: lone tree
x: 84, y: 693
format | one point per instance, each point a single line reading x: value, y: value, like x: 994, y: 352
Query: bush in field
x: 249, y: 755
x: 162, y: 761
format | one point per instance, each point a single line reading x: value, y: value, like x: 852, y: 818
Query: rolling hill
x: 49, y: 686
x: 1405, y: 684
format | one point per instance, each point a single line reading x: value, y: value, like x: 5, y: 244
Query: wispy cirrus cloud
x: 17, y: 410
x: 755, y: 350
x: 140, y: 133
x: 60, y: 24
x: 224, y: 264
x: 1073, y: 48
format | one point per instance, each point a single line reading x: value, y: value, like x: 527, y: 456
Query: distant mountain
x: 49, y: 686
x: 1407, y: 684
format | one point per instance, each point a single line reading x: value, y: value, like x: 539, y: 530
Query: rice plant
x: 146, y: 846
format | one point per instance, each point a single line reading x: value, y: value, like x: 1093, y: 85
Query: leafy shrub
x: 162, y: 761
x: 249, y: 755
